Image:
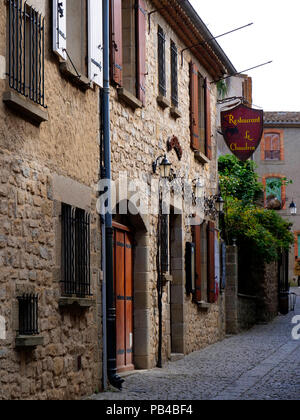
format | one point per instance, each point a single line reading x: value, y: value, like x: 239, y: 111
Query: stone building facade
x: 49, y: 157
x: 50, y: 230
x: 277, y: 158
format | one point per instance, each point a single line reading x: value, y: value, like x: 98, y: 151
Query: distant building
x: 277, y: 158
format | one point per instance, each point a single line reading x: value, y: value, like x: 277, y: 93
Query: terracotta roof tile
x: 282, y: 117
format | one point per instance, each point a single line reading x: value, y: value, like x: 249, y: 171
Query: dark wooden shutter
x: 197, y: 241
x: 211, y: 263
x: 194, y: 98
x: 208, y: 141
x: 116, y: 50
x: 141, y: 51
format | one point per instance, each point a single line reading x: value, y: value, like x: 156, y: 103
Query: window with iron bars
x: 28, y: 314
x: 26, y: 51
x: 174, y: 75
x: 161, y: 62
x: 75, y: 252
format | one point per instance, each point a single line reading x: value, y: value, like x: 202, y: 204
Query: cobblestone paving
x: 263, y: 363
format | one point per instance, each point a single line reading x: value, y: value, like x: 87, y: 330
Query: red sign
x: 242, y: 128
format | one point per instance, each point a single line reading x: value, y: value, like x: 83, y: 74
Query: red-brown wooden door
x: 123, y: 281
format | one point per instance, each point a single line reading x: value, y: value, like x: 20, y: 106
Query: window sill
x: 129, y: 99
x: 27, y: 341
x: 175, y: 113
x: 163, y: 102
x: 201, y: 158
x: 273, y: 162
x: 65, y: 302
x: 68, y: 71
x: 167, y: 278
x: 203, y: 306
x: 24, y: 106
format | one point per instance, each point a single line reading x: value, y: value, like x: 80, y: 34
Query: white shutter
x: 60, y: 27
x: 95, y: 24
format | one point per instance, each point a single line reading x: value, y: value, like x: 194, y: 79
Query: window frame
x: 273, y: 131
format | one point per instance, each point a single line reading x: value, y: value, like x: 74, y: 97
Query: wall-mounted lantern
x: 293, y: 208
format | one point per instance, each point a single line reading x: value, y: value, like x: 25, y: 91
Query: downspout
x: 113, y: 378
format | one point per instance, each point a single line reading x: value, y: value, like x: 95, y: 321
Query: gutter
x: 113, y: 378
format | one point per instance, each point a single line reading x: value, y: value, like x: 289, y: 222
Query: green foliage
x: 263, y: 232
x: 222, y: 89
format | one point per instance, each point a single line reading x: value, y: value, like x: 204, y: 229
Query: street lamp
x: 220, y: 204
x: 164, y: 167
x: 293, y: 208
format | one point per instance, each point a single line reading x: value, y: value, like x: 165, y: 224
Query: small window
x: 26, y: 46
x: 272, y: 146
x: 75, y: 252
x: 28, y: 314
x: 161, y: 62
x: 174, y: 75
x: 274, y: 193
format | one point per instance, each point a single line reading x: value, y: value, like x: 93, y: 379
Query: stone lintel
x: 75, y: 301
x: 27, y: 341
x: 35, y: 113
x: 68, y: 191
x: 203, y: 306
x: 129, y: 99
x: 163, y: 102
x: 201, y: 158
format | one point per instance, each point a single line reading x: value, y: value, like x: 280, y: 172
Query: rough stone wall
x: 30, y: 239
x: 268, y: 294
x: 246, y: 312
x: 138, y: 138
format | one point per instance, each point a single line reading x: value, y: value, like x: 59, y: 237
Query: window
x: 26, y: 51
x: 174, y: 75
x: 161, y: 62
x: 275, y: 191
x: 28, y: 314
x: 76, y: 252
x: 78, y: 38
x: 204, y: 239
x: 128, y: 46
x: 200, y: 112
x: 272, y: 145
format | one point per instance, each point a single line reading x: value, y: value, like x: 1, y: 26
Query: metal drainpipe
x: 113, y: 378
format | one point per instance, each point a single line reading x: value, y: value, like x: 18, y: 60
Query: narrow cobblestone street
x: 261, y: 364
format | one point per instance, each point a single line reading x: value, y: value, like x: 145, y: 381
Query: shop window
x: 75, y: 252
x: 200, y: 112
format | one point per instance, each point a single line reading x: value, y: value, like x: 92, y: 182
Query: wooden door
x: 123, y: 282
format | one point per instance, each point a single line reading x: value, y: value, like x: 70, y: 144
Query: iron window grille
x: 76, y: 252
x: 174, y: 74
x: 272, y: 154
x: 28, y: 314
x: 26, y: 51
x: 161, y: 62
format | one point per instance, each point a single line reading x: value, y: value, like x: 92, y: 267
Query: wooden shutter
x: 59, y: 13
x: 116, y: 44
x: 197, y: 241
x: 208, y: 133
x: 211, y: 263
x: 268, y: 139
x: 141, y: 51
x: 194, y: 98
x: 95, y: 42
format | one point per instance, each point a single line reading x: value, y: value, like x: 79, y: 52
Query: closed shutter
x: 211, y: 263
x: 95, y: 40
x: 116, y: 45
x: 194, y: 98
x: 141, y: 50
x: 208, y: 133
x: 197, y: 241
x: 59, y: 13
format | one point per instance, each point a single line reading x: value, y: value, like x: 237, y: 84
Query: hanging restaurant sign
x: 242, y: 128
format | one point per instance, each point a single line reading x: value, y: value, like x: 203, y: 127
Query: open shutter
x: 59, y: 12
x: 197, y: 241
x: 211, y: 263
x: 208, y: 120
x: 116, y: 44
x: 95, y: 41
x: 141, y: 48
x: 194, y: 98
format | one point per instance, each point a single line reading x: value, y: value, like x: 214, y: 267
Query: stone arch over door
x: 144, y: 357
x: 177, y: 271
